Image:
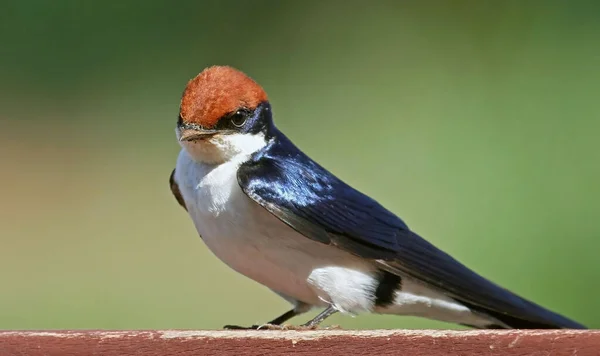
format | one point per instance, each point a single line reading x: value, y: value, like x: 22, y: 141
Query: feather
x: 320, y: 206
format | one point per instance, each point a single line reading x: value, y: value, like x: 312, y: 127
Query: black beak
x: 193, y: 134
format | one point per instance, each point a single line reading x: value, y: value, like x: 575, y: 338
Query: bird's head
x: 224, y: 115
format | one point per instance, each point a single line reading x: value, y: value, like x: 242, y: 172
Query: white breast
x: 258, y: 245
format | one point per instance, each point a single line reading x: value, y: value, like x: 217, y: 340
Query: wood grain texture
x: 318, y: 342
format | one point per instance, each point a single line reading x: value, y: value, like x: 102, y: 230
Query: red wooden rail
x: 316, y: 342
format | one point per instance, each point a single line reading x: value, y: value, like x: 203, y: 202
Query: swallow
x: 276, y: 216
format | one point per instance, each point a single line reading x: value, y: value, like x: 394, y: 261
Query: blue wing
x: 321, y: 207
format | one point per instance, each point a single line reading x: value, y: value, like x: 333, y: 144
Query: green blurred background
x: 476, y: 121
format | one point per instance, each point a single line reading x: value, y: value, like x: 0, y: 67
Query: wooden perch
x: 318, y: 342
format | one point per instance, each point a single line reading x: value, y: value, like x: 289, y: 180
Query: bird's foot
x: 282, y: 327
x: 310, y: 327
x: 237, y: 327
x: 254, y: 327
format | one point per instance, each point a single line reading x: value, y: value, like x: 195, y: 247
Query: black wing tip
x: 517, y: 323
x: 538, y: 318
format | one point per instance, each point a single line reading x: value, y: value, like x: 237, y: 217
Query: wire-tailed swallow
x: 273, y: 214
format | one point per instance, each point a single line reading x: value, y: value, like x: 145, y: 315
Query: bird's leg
x: 277, y: 321
x: 284, y: 317
x: 319, y: 318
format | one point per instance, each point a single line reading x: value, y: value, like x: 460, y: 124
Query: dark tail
x: 545, y: 319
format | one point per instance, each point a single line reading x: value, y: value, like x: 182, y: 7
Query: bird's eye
x: 238, y: 118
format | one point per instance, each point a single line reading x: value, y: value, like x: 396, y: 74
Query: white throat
x: 222, y: 148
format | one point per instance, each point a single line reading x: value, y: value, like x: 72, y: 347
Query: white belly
x: 258, y: 245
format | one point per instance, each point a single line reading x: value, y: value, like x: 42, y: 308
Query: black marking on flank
x: 175, y: 190
x: 389, y: 284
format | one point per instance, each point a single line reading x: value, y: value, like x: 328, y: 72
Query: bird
x: 274, y: 215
